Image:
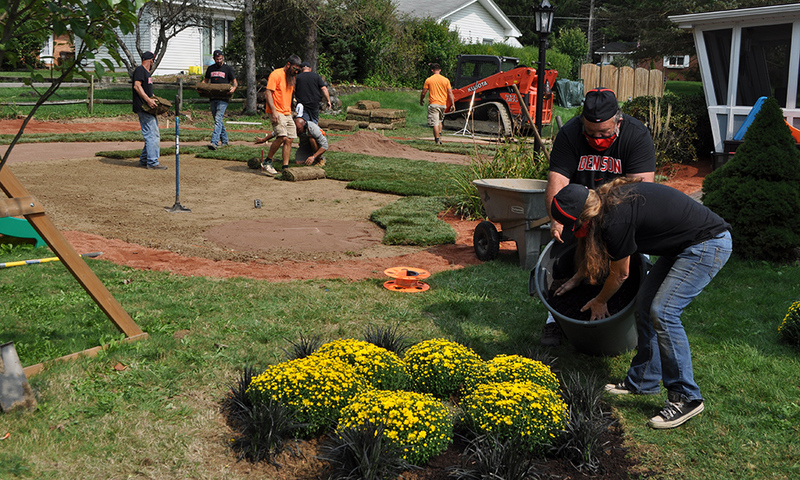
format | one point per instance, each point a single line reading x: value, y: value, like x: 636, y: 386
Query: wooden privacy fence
x: 627, y: 83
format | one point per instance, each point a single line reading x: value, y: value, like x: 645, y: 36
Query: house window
x: 676, y: 61
x: 488, y: 41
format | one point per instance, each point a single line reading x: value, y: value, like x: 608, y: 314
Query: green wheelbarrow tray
x: 518, y: 205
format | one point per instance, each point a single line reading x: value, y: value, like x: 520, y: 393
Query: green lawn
x: 150, y: 409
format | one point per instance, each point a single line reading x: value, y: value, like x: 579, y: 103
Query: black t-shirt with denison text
x: 220, y: 74
x: 631, y: 152
x: 657, y: 220
x: 142, y: 75
x: 307, y: 91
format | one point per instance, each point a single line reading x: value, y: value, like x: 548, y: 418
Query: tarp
x: 569, y: 93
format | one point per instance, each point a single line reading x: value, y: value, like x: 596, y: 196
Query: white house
x: 745, y: 54
x: 192, y: 47
x: 476, y: 21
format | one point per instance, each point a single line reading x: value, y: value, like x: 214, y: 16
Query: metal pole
x: 540, y: 83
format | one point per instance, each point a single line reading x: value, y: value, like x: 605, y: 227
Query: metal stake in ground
x: 177, y: 207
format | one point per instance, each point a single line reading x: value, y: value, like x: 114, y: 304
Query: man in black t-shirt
x: 220, y: 72
x: 143, y: 95
x: 592, y: 149
x: 308, y: 90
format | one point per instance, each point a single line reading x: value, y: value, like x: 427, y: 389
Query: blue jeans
x: 663, y: 352
x: 152, y: 139
x: 218, y: 108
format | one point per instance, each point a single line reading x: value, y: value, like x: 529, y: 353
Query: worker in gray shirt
x: 313, y: 143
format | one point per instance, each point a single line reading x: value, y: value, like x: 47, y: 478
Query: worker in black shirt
x: 308, y: 90
x: 220, y: 72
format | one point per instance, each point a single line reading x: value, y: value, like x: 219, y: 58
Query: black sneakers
x: 551, y: 335
x: 676, y: 412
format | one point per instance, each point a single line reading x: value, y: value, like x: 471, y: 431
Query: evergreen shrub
x: 758, y: 190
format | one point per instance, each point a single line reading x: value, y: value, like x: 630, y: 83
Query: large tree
x: 93, y: 21
x: 170, y: 18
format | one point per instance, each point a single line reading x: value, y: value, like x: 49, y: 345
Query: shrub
x: 514, y: 368
x: 529, y: 413
x: 790, y: 328
x: 487, y: 457
x: 362, y: 453
x: 758, y: 190
x: 679, y: 125
x: 418, y: 424
x: 440, y: 366
x: 315, y: 388
x: 512, y: 160
x: 581, y: 441
x: 263, y: 430
x: 382, y: 368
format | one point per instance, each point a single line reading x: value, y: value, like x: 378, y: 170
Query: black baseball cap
x: 304, y: 65
x: 600, y: 105
x: 568, y: 204
x: 148, y: 55
x: 217, y: 53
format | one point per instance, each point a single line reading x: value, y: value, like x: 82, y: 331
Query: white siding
x: 474, y: 24
x: 183, y: 51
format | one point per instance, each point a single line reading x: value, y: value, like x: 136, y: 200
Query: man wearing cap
x: 308, y: 90
x: 440, y: 93
x: 220, y: 72
x: 600, y: 145
x: 280, y: 87
x: 143, y: 95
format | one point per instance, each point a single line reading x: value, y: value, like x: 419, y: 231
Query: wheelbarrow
x: 518, y: 205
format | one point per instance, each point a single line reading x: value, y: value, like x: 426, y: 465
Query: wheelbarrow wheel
x: 486, y: 240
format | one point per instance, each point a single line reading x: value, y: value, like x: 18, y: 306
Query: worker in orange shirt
x: 440, y: 91
x: 280, y: 87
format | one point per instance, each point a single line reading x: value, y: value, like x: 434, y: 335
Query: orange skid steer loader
x: 485, y: 98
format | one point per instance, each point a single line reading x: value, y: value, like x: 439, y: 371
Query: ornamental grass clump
x: 790, y: 327
x: 418, y: 424
x: 382, y: 368
x: 315, y: 388
x: 514, y: 368
x: 531, y: 414
x: 441, y: 367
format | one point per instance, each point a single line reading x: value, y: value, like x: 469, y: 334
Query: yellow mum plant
x: 790, y: 327
x: 515, y: 368
x: 383, y: 369
x: 440, y: 366
x: 418, y: 424
x: 529, y: 414
x: 315, y: 387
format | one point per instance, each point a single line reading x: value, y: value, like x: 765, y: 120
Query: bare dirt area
x: 311, y: 229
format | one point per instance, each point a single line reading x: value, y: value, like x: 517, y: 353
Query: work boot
x: 551, y: 335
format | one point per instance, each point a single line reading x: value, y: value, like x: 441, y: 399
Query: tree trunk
x: 250, y: 58
x: 310, y: 55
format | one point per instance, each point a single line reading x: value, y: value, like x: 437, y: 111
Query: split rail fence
x: 91, y: 86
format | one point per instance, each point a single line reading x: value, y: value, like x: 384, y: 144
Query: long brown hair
x: 597, y: 259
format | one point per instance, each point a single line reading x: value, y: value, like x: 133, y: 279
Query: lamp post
x: 543, y: 15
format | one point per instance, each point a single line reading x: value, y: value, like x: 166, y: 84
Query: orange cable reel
x: 406, y: 279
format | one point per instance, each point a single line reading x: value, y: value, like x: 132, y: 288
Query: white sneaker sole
x: 659, y: 423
